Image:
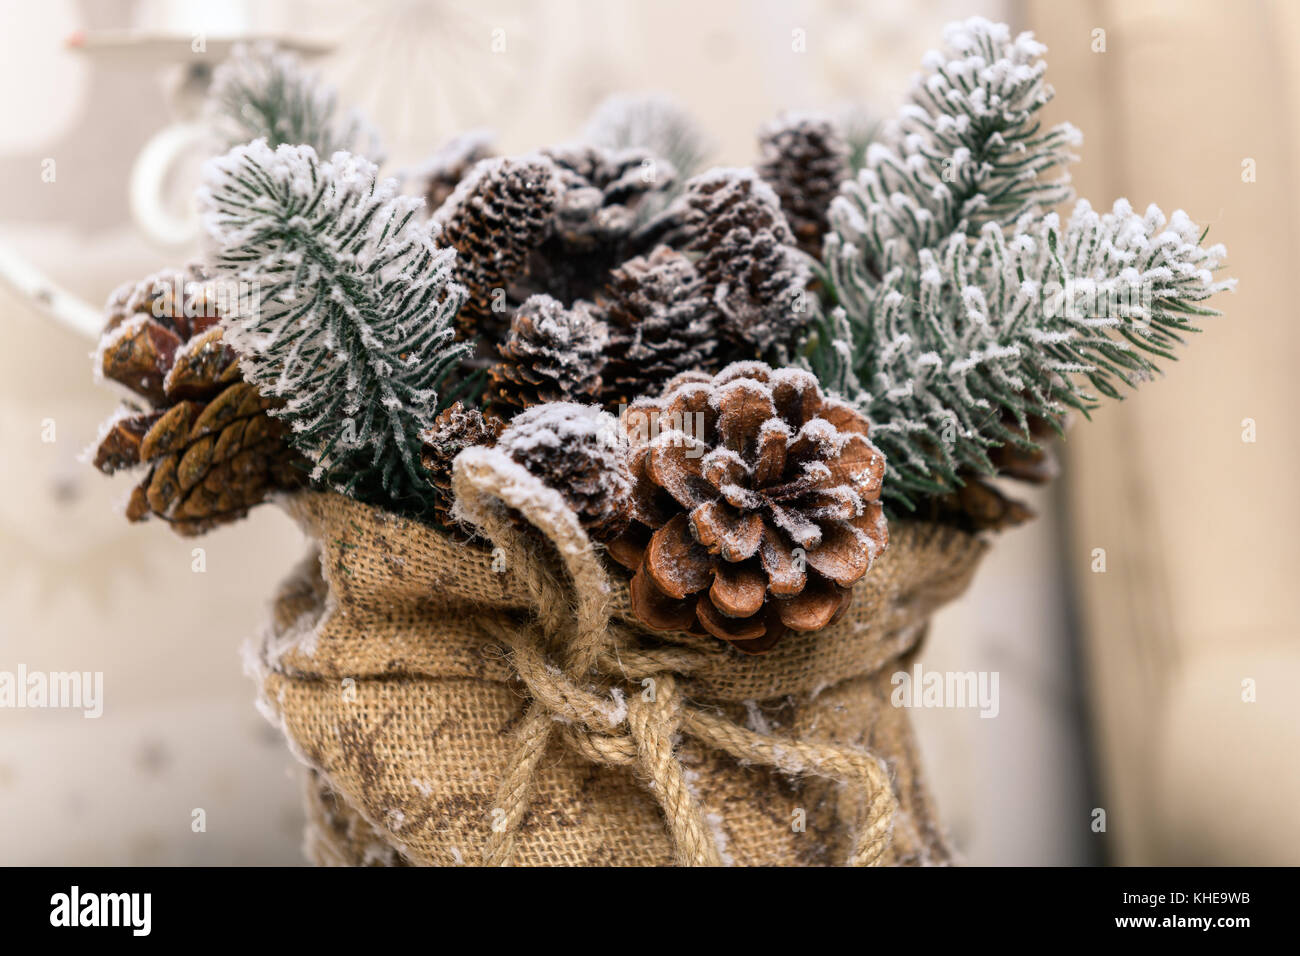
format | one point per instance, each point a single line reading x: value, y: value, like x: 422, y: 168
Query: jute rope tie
x: 613, y: 701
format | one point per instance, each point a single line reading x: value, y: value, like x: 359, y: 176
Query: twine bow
x: 612, y: 700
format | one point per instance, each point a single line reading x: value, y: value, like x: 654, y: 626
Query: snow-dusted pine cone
x: 552, y: 354
x: 577, y: 451
x: 498, y: 214
x: 978, y: 505
x: 723, y: 200
x: 660, y: 324
x: 601, y: 194
x: 213, y: 451
x: 756, y: 506
x: 1033, y: 465
x: 600, y: 191
x: 455, y: 429
x: 754, y: 275
x: 804, y: 159
x: 444, y: 170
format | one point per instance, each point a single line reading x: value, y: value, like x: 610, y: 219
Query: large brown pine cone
x: 660, y: 324
x: 553, y: 354
x: 804, y: 158
x: 455, y: 429
x: 213, y: 451
x: 759, y: 516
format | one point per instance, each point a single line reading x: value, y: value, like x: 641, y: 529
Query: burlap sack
x: 456, y: 705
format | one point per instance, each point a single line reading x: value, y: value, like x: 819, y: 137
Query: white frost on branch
x: 964, y: 307
x: 352, y: 307
x: 264, y: 93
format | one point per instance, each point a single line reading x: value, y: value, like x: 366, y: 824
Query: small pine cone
x: 576, y: 450
x: 723, y: 200
x: 978, y: 506
x: 753, y: 274
x: 552, y: 354
x: 496, y: 217
x: 601, y: 189
x: 756, y: 506
x: 660, y: 324
x: 1036, y: 465
x: 212, y: 449
x: 455, y: 429
x: 804, y: 159
x: 603, y: 193
x: 165, y: 310
x: 450, y: 164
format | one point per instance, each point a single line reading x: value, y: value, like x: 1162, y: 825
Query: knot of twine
x: 611, y: 701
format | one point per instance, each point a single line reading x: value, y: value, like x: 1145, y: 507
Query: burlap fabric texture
x: 459, y: 705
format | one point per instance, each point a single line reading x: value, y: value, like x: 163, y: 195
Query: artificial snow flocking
x: 959, y: 308
x: 352, y: 303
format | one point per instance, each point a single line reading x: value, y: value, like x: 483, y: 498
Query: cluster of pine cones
x: 744, y: 502
x: 575, y: 295
x: 597, y: 275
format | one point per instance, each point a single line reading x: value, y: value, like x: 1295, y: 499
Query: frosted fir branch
x: 964, y: 308
x: 351, y: 324
x: 264, y: 93
x: 967, y: 149
x: 953, y: 357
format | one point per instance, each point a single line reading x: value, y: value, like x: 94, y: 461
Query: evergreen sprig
x: 264, y: 93
x: 959, y: 307
x: 349, y: 310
